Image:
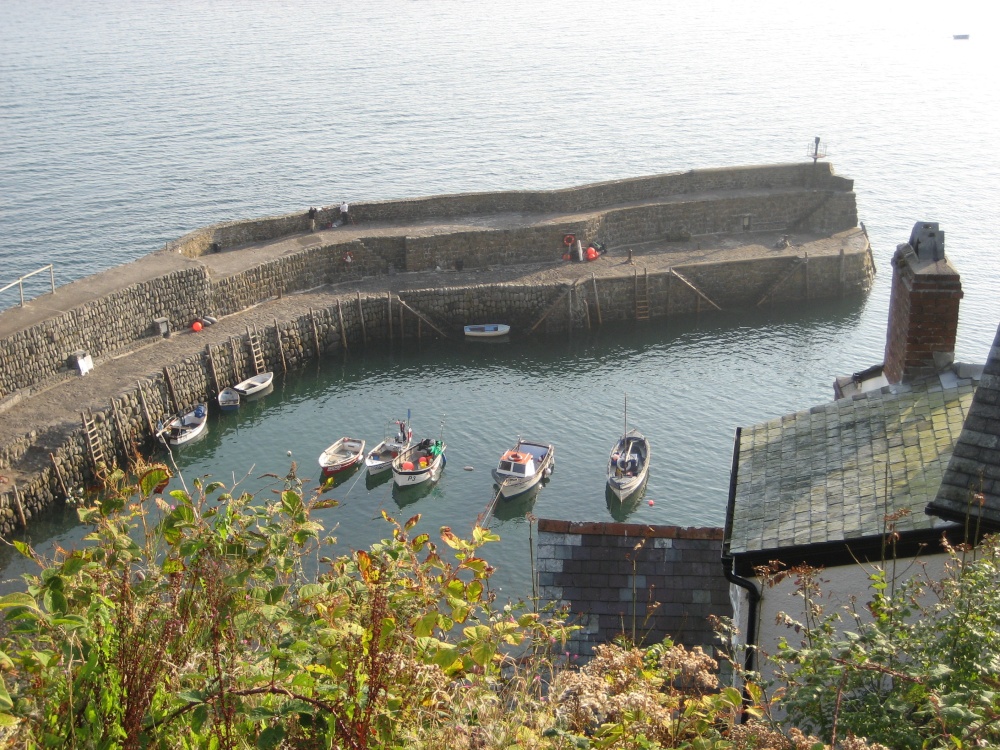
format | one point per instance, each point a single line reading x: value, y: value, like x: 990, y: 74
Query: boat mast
x: 626, y: 414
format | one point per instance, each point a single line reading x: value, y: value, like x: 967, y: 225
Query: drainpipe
x: 727, y: 564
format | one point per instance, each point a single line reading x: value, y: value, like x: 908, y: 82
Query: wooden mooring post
x: 171, y: 393
x: 388, y: 314
x: 237, y: 370
x: 215, y: 372
x: 145, y: 408
x: 548, y: 311
x: 597, y: 300
x: 343, y: 330
x: 59, y: 476
x: 361, y: 316
x: 116, y: 416
x: 312, y: 318
x: 281, y: 345
x: 569, y: 315
x: 419, y: 318
x: 20, y: 508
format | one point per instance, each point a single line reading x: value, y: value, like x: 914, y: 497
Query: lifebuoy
x: 516, y: 457
x: 348, y: 257
x: 569, y: 239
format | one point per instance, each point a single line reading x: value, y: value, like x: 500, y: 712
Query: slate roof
x: 975, y: 465
x: 822, y: 475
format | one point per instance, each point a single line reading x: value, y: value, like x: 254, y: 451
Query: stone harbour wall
x: 808, y: 197
x: 129, y: 421
x: 808, y: 176
x: 101, y: 326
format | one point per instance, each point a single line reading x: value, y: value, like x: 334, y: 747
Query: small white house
x: 903, y: 448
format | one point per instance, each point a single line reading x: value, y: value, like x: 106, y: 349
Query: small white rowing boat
x: 487, y: 331
x: 229, y: 399
x: 255, y: 385
x: 381, y: 456
x: 342, y: 455
x: 185, y: 427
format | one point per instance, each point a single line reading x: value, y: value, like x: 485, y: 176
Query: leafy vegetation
x: 917, y: 666
x: 214, y: 619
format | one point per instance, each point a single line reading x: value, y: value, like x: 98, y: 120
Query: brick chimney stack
x: 923, y: 307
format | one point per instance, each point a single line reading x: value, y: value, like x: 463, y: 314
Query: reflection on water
x: 690, y: 383
x: 519, y: 506
x: 377, y: 480
x: 620, y: 510
x: 405, y: 496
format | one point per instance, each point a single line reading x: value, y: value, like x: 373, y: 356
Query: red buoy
x: 196, y: 326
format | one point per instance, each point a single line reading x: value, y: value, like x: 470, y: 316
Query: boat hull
x: 341, y: 456
x: 628, y: 465
x: 255, y: 385
x: 407, y: 470
x: 487, y: 331
x: 512, y: 485
x: 187, y: 427
x: 229, y: 400
x: 380, y: 458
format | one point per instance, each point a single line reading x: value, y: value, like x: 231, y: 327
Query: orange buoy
x: 651, y: 503
x: 196, y: 326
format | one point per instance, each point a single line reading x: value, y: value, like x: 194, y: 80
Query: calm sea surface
x: 127, y: 125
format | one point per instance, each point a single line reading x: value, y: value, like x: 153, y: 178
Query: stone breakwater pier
x: 298, y: 288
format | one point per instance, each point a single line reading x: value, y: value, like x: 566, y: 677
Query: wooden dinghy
x: 342, y: 455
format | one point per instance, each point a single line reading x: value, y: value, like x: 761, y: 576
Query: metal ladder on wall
x: 258, y: 354
x: 642, y: 295
x: 94, y: 445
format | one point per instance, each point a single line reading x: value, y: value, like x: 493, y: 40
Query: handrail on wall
x: 20, y: 282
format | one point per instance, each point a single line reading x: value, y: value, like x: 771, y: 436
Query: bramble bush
x: 214, y: 619
x: 917, y: 666
x: 201, y: 628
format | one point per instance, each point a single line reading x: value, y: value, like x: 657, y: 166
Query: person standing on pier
x: 344, y: 215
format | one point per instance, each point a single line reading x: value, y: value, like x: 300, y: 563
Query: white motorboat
x: 255, y: 385
x: 185, y: 427
x: 229, y: 399
x: 523, y: 467
x: 380, y: 457
x: 342, y: 455
x: 419, y: 463
x: 487, y: 331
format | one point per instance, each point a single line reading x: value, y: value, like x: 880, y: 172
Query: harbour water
x: 126, y: 126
